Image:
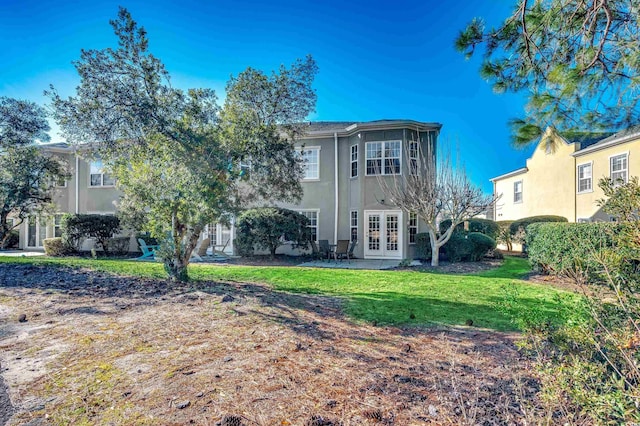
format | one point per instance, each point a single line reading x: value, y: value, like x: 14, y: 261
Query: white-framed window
x: 354, y: 161
x: 311, y: 159
x: 97, y: 175
x: 619, y: 166
x: 413, y: 157
x: 353, y: 224
x: 517, y: 191
x: 585, y: 177
x: 57, y: 225
x: 312, y: 215
x: 383, y: 157
x: 413, y: 227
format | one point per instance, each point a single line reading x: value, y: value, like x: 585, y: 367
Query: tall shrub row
x: 568, y: 248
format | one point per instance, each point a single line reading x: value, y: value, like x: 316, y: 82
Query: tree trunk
x: 184, y: 241
x: 435, y: 248
x: 273, y: 251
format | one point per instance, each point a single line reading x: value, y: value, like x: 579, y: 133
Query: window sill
x: 585, y: 192
x: 101, y: 186
x: 311, y: 180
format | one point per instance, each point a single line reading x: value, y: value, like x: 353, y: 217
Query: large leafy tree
x: 179, y: 158
x: 27, y: 176
x: 577, y: 60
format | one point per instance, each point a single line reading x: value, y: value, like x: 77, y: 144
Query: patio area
x: 21, y: 253
x: 354, y: 264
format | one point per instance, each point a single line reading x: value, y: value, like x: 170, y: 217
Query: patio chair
x: 148, y: 251
x: 200, y: 251
x: 315, y: 252
x: 342, y: 250
x: 351, y: 248
x: 325, y: 248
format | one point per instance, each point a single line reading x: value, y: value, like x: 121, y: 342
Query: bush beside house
x: 78, y: 227
x: 568, y: 248
x: 465, y: 246
x: 268, y: 228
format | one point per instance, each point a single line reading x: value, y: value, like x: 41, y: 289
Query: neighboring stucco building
x: 562, y: 178
x: 342, y: 195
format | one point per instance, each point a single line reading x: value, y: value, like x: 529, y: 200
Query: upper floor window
x: 413, y: 157
x: 311, y: 158
x: 97, y: 175
x: 383, y: 158
x: 413, y: 227
x: 517, y: 192
x: 354, y: 161
x: 619, y: 167
x: 584, y: 177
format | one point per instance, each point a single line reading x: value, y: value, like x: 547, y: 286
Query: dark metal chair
x: 325, y: 248
x: 315, y: 252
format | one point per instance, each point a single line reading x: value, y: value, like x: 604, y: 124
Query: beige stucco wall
x: 548, y: 186
x: 587, y: 202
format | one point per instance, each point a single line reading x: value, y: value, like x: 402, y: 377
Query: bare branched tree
x: 434, y: 189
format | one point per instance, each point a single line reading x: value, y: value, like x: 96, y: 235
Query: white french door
x: 36, y: 231
x: 220, y: 237
x: 383, y: 234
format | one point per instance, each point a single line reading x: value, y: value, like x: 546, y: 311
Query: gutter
x: 335, y: 179
x: 77, y: 181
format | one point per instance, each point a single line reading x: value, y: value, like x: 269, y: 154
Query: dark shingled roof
x: 608, y: 137
x: 329, y: 126
x: 586, y: 139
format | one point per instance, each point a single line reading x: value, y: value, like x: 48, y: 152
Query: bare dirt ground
x: 93, y: 348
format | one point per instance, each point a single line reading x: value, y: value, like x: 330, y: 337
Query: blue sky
x: 377, y: 59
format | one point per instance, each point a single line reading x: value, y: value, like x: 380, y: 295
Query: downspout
x: 575, y: 188
x: 77, y: 181
x: 335, y: 179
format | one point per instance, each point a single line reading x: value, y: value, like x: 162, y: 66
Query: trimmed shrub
x: 482, y: 244
x: 423, y: 246
x: 517, y: 229
x: 458, y: 248
x: 568, y: 248
x: 78, y: 227
x: 54, y: 247
x: 12, y: 240
x: 269, y: 228
x: 468, y: 247
x: 483, y: 226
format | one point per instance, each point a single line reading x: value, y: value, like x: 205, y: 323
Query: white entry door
x: 383, y: 234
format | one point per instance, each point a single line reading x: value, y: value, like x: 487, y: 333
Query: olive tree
x: 177, y: 155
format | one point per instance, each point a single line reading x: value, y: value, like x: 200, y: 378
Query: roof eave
x: 510, y: 174
x: 613, y: 142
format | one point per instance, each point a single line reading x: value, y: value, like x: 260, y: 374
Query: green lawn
x: 386, y: 297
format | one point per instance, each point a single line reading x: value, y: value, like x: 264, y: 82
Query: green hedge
x: 517, y: 229
x: 468, y: 247
x: 568, y: 248
x: 77, y: 227
x: 483, y: 226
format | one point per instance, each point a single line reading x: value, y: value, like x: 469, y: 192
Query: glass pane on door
x: 31, y: 232
x: 392, y: 232
x: 42, y: 231
x: 374, y: 232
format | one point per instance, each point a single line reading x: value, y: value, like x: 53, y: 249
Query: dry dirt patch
x: 100, y: 349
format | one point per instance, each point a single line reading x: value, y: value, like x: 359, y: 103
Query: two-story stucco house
x: 562, y: 179
x: 342, y: 198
